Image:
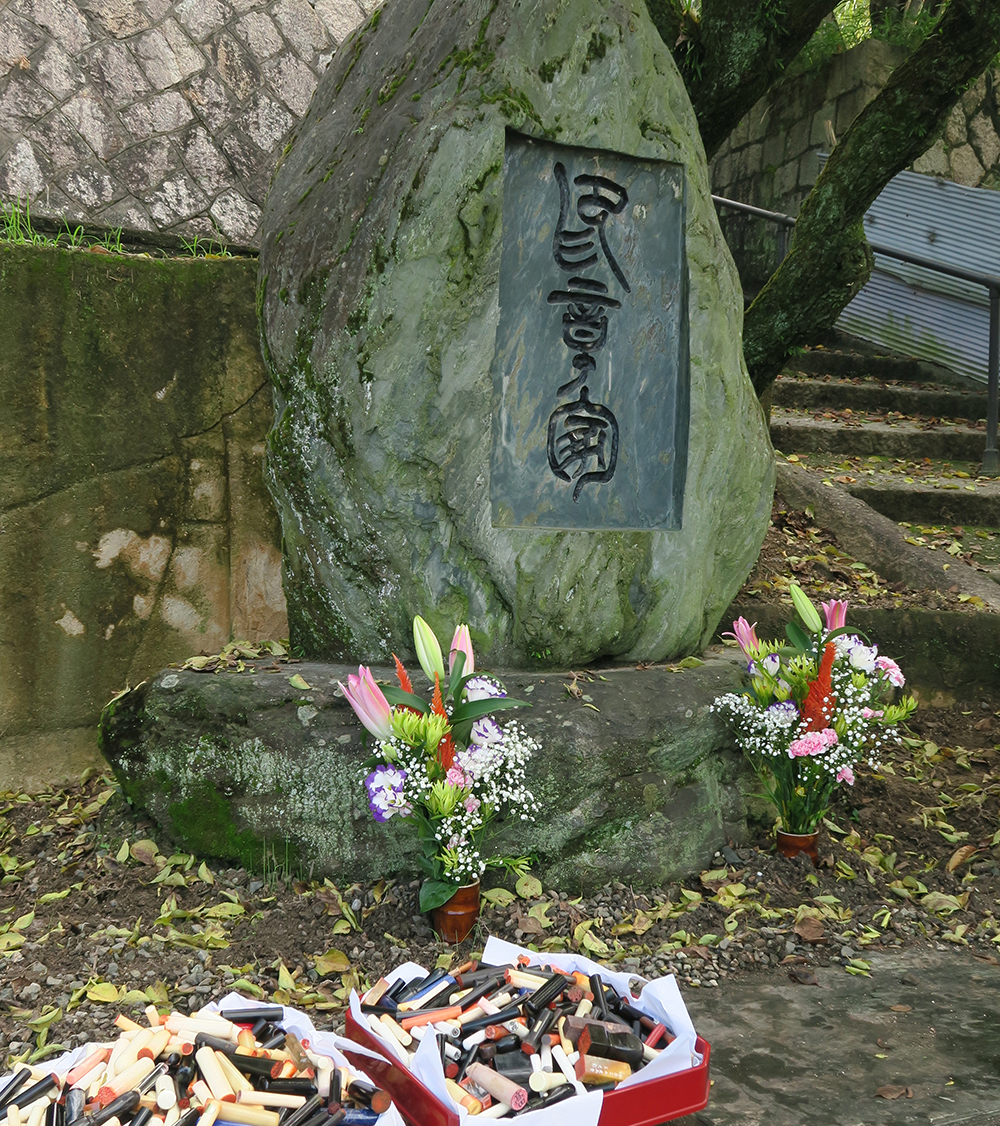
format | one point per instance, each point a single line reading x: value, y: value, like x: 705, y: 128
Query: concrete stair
x: 903, y: 436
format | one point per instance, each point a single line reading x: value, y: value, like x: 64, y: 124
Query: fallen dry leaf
x: 803, y: 977
x: 809, y: 929
x: 893, y: 1091
x: 960, y: 855
x: 529, y: 925
x: 901, y: 1008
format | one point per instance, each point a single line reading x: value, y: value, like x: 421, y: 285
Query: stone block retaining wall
x: 771, y: 159
x: 158, y: 115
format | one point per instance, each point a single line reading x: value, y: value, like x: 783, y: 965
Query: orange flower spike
x: 446, y: 748
x: 437, y: 702
x: 819, y: 693
x: 446, y: 751
x: 401, y: 676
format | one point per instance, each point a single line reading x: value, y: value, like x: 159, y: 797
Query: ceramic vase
x: 453, y: 920
x: 791, y: 844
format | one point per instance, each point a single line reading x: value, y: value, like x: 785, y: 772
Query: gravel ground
x: 98, y: 914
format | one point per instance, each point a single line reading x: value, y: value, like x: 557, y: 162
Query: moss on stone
x: 203, y: 822
x: 374, y: 477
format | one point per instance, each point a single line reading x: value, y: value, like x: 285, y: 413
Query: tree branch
x: 731, y: 56
x: 829, y: 260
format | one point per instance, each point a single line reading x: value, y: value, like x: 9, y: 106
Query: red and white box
x: 676, y: 1083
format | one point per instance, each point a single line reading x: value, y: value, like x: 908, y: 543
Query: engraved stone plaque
x: 590, y: 373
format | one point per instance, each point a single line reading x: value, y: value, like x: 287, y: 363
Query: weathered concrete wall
x: 158, y: 115
x: 135, y: 528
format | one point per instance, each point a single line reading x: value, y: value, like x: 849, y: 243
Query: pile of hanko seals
x: 516, y: 1037
x: 235, y: 1066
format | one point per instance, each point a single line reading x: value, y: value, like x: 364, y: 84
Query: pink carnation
x: 846, y: 774
x: 868, y: 713
x: 472, y: 803
x: 893, y: 673
x: 812, y: 743
x: 456, y: 776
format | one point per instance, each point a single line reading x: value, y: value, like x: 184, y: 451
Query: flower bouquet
x: 447, y: 767
x: 816, y: 707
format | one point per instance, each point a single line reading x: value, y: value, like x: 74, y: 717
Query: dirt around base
x: 797, y: 549
x: 98, y: 915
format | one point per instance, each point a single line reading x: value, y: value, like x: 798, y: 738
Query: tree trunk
x: 829, y: 259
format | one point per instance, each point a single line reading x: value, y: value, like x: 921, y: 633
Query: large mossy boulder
x: 637, y: 780
x: 380, y: 303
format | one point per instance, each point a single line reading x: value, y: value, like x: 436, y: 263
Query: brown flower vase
x: 791, y: 844
x: 453, y: 920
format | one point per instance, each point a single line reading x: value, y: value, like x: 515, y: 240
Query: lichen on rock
x: 379, y: 272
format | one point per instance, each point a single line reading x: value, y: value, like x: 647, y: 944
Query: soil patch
x: 797, y: 549
x: 98, y: 915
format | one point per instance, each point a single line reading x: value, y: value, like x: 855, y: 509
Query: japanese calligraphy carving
x: 590, y: 371
x: 583, y: 436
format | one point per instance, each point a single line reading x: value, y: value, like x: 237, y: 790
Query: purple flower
x: 771, y: 663
x: 785, y: 708
x: 486, y: 731
x: 385, y: 792
x: 863, y: 657
x: 483, y: 688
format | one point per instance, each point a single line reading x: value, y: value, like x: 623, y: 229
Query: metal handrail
x: 991, y: 282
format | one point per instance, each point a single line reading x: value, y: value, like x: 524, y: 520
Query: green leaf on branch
x: 474, y: 709
x: 456, y: 673
x: 434, y: 893
x: 798, y: 637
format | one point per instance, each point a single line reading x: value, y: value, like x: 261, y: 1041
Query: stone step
x: 797, y: 433
x: 796, y: 392
x: 852, y: 361
x: 950, y: 503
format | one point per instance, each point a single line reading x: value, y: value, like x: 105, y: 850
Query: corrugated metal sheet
x: 932, y: 326
x: 915, y: 310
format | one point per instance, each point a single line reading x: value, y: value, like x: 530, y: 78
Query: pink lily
x: 462, y: 643
x: 836, y: 613
x: 745, y: 636
x: 368, y: 702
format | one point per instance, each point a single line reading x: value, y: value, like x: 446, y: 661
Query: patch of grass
x: 199, y: 247
x: 15, y: 226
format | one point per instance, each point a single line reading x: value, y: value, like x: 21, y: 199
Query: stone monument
x: 503, y: 330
